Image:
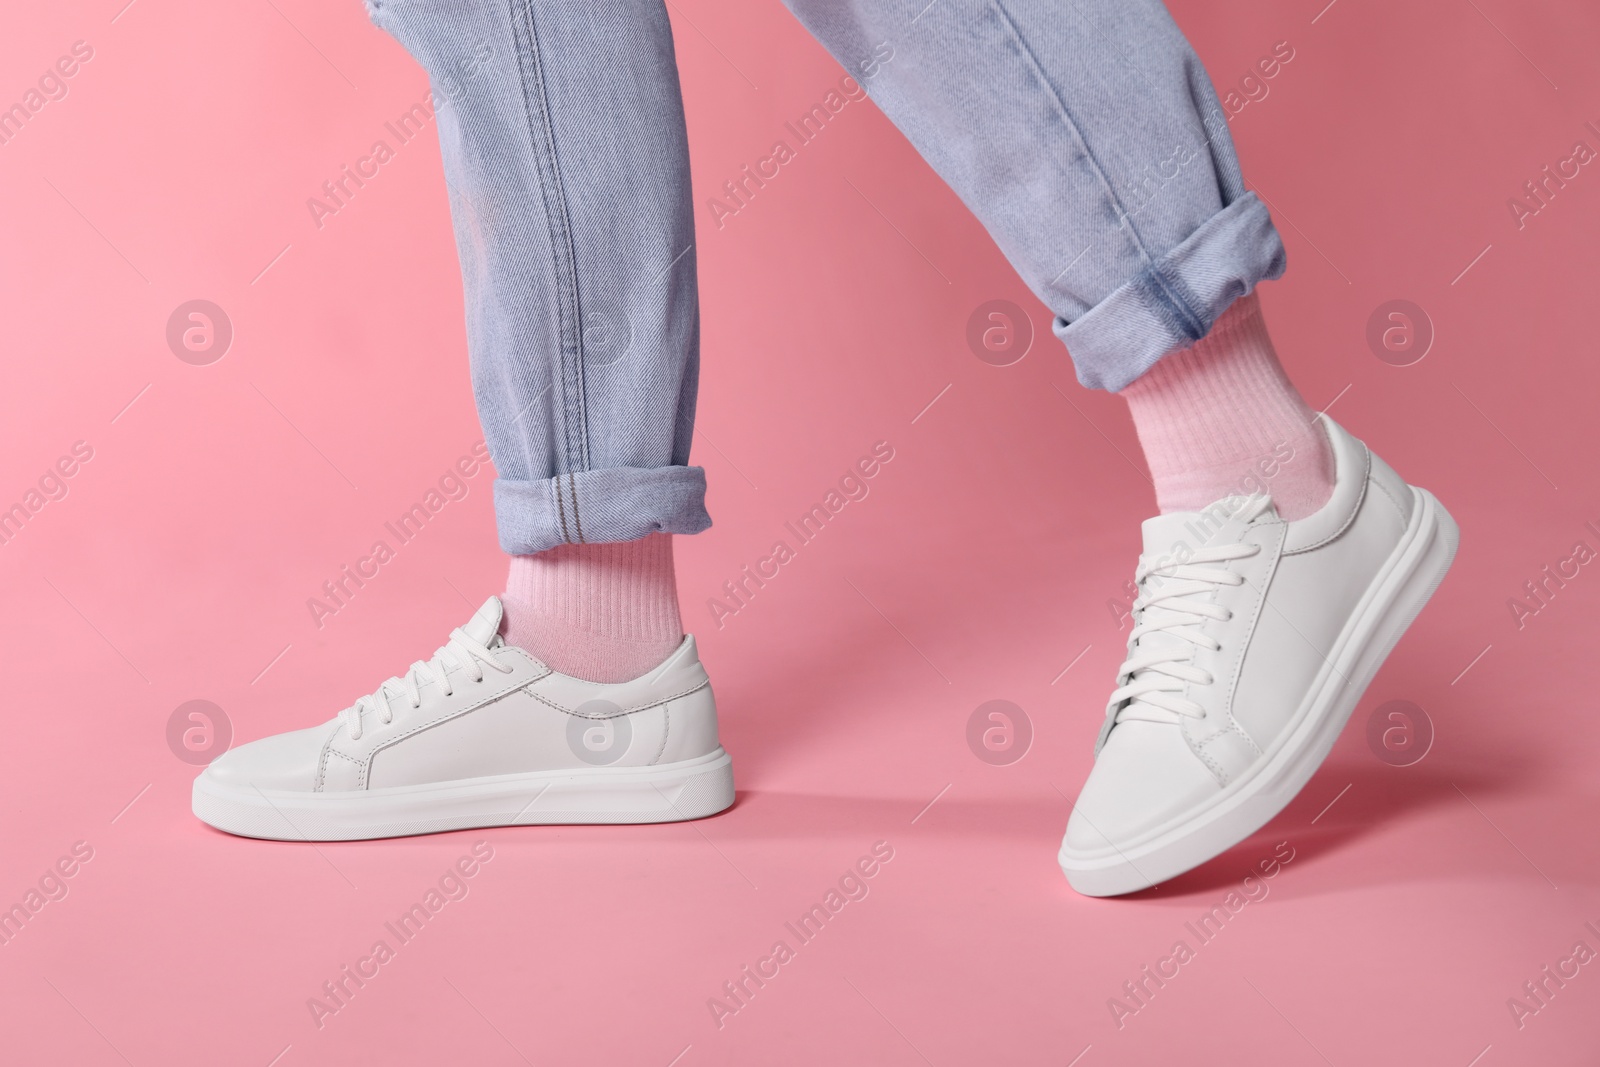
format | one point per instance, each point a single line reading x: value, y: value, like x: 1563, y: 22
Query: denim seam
x: 1165, y: 286
x: 554, y: 485
x: 1186, y: 314
x: 577, y: 521
x: 553, y: 195
x: 1071, y: 123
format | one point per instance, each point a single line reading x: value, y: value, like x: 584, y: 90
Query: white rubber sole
x: 1413, y: 571
x: 673, y: 792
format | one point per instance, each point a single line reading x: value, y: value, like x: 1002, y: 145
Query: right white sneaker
x: 483, y: 734
x: 1253, y: 640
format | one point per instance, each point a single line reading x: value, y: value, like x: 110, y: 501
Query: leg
x: 1087, y: 138
x: 570, y: 194
x: 564, y: 150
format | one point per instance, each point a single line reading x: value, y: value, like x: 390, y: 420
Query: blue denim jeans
x: 1084, y: 134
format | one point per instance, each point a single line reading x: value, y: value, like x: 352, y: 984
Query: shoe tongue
x: 485, y: 622
x: 1181, y: 533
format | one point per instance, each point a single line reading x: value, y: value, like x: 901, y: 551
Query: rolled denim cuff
x: 1172, y: 303
x: 591, y: 507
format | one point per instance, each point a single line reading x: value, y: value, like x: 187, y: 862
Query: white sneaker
x: 1253, y: 640
x: 483, y: 734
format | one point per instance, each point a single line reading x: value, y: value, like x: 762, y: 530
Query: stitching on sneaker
x: 541, y: 698
x: 1212, y: 765
x: 1233, y: 728
x: 666, y: 731
x: 322, y: 762
x: 1398, y: 507
x: 322, y: 774
x: 1237, y: 668
x: 1361, y: 497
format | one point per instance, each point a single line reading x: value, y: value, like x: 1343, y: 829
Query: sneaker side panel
x: 1314, y: 593
x: 556, y: 722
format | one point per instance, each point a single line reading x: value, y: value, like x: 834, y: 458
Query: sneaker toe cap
x: 283, y: 761
x: 1145, y: 776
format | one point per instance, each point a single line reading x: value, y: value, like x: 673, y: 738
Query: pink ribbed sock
x: 1221, y: 418
x: 606, y: 613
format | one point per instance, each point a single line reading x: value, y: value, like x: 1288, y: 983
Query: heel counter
x: 691, y: 726
x: 1394, y: 487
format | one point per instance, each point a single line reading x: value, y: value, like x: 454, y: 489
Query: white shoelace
x: 462, y: 652
x: 1179, y: 605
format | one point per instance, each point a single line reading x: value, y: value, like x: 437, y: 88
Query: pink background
x: 179, y: 564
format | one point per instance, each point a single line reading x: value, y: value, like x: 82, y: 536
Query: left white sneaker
x: 482, y: 734
x: 1253, y: 640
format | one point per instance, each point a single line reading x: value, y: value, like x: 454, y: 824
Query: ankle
x: 1222, y: 418
x: 605, y: 613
